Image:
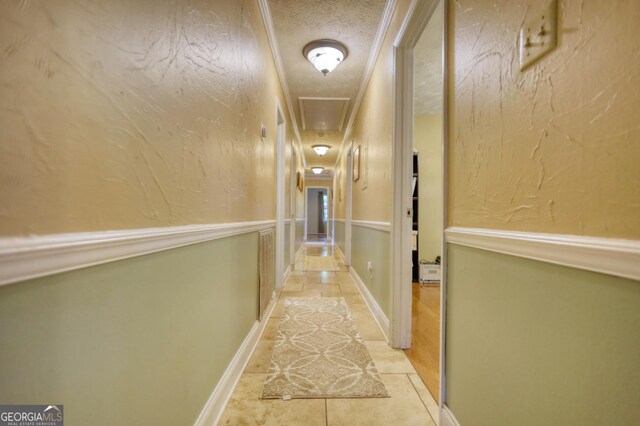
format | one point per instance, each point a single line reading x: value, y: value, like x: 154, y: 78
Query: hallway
x: 410, y: 402
x: 155, y: 165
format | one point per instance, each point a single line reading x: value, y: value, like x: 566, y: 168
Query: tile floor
x: 410, y: 402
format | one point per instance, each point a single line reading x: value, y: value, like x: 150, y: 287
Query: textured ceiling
x: 428, y: 67
x: 354, y: 23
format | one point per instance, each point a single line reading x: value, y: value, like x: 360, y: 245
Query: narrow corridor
x: 410, y: 402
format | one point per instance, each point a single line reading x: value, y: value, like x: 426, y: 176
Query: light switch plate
x: 539, y: 34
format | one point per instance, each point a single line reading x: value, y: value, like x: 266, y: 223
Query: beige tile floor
x: 410, y: 402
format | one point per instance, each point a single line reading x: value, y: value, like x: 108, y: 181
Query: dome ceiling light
x: 317, y: 170
x: 321, y: 149
x: 325, y: 54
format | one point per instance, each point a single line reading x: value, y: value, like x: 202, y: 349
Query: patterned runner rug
x: 319, y: 354
x: 320, y: 263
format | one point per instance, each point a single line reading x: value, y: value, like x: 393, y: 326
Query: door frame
x: 281, y: 129
x: 293, y: 214
x: 412, y: 28
x: 348, y: 198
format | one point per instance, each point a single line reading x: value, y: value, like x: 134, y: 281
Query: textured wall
x: 555, y: 148
x: 299, y: 194
x: 119, y: 114
x: 427, y: 140
x: 372, y: 130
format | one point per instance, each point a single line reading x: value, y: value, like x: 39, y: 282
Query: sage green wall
x: 338, y: 237
x: 299, y: 233
x: 373, y: 245
x: 139, y: 341
x: 531, y: 343
x: 287, y: 244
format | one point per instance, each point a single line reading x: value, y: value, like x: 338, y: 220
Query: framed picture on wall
x: 299, y: 182
x: 356, y: 163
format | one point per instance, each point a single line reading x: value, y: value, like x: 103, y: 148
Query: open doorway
x: 317, y: 214
x: 419, y: 219
x: 427, y: 195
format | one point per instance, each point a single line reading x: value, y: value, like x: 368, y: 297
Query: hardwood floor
x: 425, y: 345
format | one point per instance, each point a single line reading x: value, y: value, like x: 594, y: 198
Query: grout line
x: 326, y: 413
x: 420, y: 398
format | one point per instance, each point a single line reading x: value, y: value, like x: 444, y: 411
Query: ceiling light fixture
x: 321, y: 149
x: 317, y: 170
x: 325, y: 54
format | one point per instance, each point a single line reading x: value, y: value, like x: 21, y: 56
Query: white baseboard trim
x: 213, y: 409
x: 374, y: 308
x: 380, y: 226
x: 339, y: 252
x: 24, y: 258
x: 605, y: 255
x: 447, y: 418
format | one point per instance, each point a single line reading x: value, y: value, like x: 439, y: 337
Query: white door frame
x: 281, y: 128
x: 412, y: 28
x: 292, y: 209
x: 349, y: 192
x: 306, y: 218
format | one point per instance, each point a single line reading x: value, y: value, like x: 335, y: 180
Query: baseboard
x: 340, y: 253
x: 447, y: 418
x: 213, y: 409
x: 287, y: 273
x: 299, y: 251
x: 604, y: 255
x: 374, y: 308
x: 24, y: 258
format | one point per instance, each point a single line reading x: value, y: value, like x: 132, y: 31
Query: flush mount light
x: 325, y: 54
x: 321, y: 149
x: 317, y: 170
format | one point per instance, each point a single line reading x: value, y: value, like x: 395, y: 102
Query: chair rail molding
x: 24, y: 258
x: 605, y: 255
x: 380, y: 226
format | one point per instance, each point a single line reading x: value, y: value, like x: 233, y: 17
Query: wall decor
x: 299, y: 181
x: 356, y: 163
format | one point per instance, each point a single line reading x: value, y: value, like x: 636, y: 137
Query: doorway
x: 419, y: 217
x: 281, y: 127
x: 317, y: 214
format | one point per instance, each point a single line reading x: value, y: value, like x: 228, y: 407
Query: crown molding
x: 265, y: 12
x: 387, y: 14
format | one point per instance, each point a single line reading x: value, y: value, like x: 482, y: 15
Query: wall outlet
x: 370, y: 266
x: 539, y: 35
